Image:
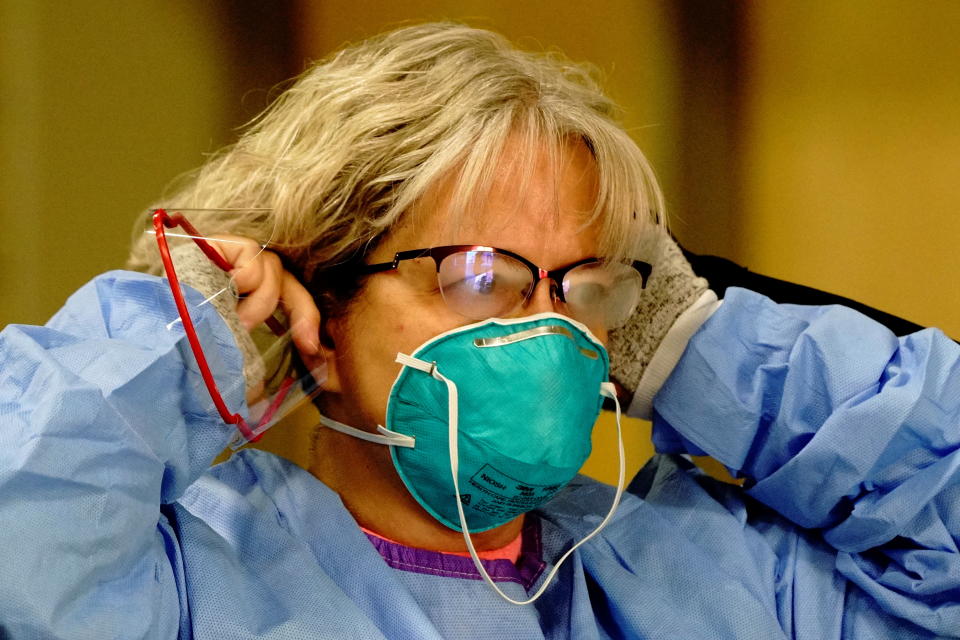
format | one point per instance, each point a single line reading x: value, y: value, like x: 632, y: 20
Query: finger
x: 236, y: 250
x: 261, y: 278
x: 251, y: 264
x: 302, y: 311
x: 243, y: 254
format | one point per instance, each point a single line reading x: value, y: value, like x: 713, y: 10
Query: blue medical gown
x: 112, y: 525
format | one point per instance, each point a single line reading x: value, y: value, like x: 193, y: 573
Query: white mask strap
x: 606, y: 389
x: 385, y: 436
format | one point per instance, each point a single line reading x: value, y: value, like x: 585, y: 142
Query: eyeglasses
x: 481, y: 282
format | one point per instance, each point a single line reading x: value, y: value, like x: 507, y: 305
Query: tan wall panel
x: 853, y: 152
x: 103, y: 104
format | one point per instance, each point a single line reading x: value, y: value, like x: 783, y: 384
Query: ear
x: 323, y: 365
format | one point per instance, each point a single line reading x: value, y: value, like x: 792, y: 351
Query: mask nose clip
x: 535, y: 332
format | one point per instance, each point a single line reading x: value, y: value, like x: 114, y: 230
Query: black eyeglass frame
x: 440, y: 253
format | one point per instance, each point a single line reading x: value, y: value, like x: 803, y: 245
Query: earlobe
x: 323, y: 368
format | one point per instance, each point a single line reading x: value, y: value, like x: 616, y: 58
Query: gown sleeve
x: 840, y: 426
x: 104, y: 419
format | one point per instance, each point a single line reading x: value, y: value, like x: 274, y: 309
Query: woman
x: 381, y: 165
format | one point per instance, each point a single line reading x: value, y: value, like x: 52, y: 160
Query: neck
x: 362, y: 473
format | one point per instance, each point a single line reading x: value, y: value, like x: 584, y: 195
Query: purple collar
x: 525, y: 572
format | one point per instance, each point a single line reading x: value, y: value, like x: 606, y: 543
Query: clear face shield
x: 194, y: 252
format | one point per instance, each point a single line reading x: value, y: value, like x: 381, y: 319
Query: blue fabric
x: 112, y: 526
x: 842, y: 428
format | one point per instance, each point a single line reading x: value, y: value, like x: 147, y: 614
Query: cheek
x: 367, y: 370
x: 388, y: 317
x: 602, y: 334
x: 367, y: 343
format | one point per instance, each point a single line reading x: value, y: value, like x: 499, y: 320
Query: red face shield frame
x: 162, y: 220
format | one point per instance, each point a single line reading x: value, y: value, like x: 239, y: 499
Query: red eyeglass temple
x: 161, y: 221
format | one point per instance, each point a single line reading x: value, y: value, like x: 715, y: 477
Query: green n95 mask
x: 491, y: 420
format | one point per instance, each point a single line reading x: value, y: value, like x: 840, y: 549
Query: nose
x: 544, y: 298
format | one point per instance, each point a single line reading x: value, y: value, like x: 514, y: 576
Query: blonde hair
x: 343, y: 153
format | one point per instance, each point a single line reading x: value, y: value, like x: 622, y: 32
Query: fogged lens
x: 603, y: 293
x: 483, y: 284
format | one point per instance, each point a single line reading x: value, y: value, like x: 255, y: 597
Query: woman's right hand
x: 264, y: 285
